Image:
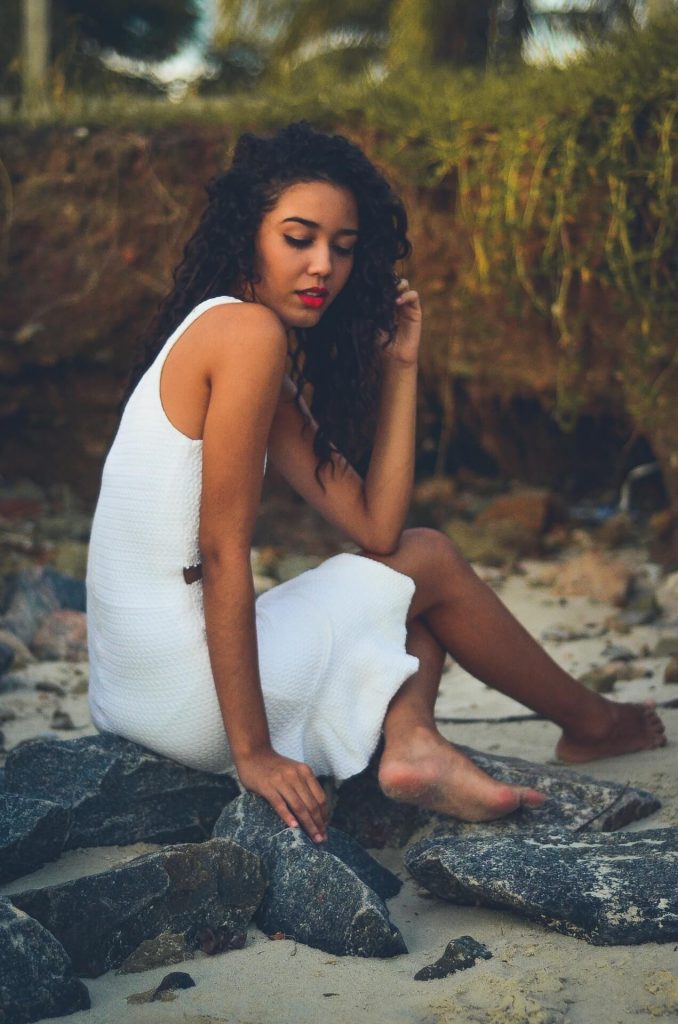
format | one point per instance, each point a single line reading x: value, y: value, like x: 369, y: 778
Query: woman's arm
x: 372, y: 511
x: 244, y: 368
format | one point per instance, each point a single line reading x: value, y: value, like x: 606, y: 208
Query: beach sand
x: 535, y: 976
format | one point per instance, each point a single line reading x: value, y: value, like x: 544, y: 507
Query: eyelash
x: 303, y: 243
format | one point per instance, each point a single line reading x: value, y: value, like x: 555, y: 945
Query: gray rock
x: 459, y: 955
x: 6, y: 657
x: 36, y: 979
x: 574, y: 801
x: 316, y: 899
x: 252, y: 822
x: 101, y: 919
x: 32, y: 594
x: 608, y: 889
x: 166, y: 948
x: 31, y: 833
x: 119, y: 792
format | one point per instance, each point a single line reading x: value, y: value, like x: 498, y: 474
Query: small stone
x: 31, y: 833
x: 459, y: 955
x: 566, y: 634
x: 62, y: 636
x: 493, y: 543
x: 671, y: 671
x: 62, y: 720
x: 642, y: 610
x: 535, y: 510
x: 70, y: 557
x: 610, y: 889
x: 48, y: 686
x: 119, y: 793
x: 33, y: 594
x: 600, y: 679
x: 174, y: 981
x: 37, y: 978
x: 593, y: 574
x: 615, y: 652
x: 22, y: 654
x: 101, y: 919
x: 165, y: 949
x: 665, y: 647
x: 6, y: 657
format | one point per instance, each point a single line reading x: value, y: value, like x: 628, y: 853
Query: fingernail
x: 294, y: 824
x: 318, y: 838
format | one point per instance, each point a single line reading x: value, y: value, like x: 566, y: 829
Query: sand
x: 534, y: 977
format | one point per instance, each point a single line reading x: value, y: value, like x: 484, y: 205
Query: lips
x: 314, y: 298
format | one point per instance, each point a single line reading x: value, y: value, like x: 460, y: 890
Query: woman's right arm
x: 244, y: 373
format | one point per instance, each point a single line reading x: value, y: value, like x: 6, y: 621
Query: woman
x: 289, y: 280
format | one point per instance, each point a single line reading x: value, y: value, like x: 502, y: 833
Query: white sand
x: 535, y: 976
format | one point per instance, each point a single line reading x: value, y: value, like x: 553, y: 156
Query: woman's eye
x: 298, y: 243
x: 341, y: 251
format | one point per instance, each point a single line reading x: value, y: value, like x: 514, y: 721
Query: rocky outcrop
x: 36, y: 976
x: 102, y: 919
x: 31, y: 833
x: 618, y: 889
x: 329, y: 895
x: 118, y: 792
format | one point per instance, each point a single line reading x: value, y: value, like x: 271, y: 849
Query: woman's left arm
x: 372, y: 511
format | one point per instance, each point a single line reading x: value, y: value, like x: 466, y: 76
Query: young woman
x: 289, y: 280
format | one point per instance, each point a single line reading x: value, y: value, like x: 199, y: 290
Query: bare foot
x: 424, y: 769
x: 620, y: 729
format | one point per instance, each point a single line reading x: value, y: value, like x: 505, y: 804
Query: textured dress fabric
x: 331, y: 642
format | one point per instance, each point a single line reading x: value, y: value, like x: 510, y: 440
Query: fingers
x: 299, y: 800
x: 405, y: 293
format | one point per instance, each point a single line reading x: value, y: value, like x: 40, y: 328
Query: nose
x: 320, y: 264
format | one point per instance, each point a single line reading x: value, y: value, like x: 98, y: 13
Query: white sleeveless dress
x: 331, y: 642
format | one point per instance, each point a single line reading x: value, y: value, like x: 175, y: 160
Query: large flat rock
x: 330, y: 896
x: 101, y: 919
x: 36, y: 974
x: 118, y: 792
x: 575, y: 801
x: 31, y: 833
x: 610, y: 889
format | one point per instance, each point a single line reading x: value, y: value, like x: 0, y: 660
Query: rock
x: 32, y: 594
x: 600, y: 678
x: 566, y: 634
x: 31, y: 833
x: 574, y: 801
x: 316, y: 899
x: 493, y: 543
x: 671, y: 671
x: 328, y: 896
x: 459, y: 955
x: 166, y: 948
x: 62, y: 636
x: 533, y: 509
x: 615, y: 652
x: 665, y: 647
x: 101, y: 919
x: 119, y: 792
x: 594, y: 575
x: 22, y: 654
x: 70, y: 557
x: 252, y: 822
x: 641, y: 611
x: 619, y: 889
x: 6, y: 657
x: 164, y: 992
x: 37, y: 978
x: 62, y: 720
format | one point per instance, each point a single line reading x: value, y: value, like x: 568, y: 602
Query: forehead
x: 319, y: 201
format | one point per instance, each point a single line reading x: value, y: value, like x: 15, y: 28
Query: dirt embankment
x: 95, y: 220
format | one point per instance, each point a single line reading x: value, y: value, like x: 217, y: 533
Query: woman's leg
x: 467, y: 619
x: 419, y: 766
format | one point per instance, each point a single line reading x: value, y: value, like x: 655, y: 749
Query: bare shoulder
x: 236, y: 330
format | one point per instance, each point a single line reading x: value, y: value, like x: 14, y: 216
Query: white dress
x: 331, y: 642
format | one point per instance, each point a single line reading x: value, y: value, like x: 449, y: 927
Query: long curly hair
x: 338, y: 357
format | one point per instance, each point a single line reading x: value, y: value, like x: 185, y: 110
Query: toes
x: 532, y: 798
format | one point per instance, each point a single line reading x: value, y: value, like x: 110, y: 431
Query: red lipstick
x: 313, y: 297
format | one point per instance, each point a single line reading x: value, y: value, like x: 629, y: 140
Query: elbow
x: 218, y: 557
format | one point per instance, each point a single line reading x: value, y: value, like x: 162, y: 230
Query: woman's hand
x: 291, y: 789
x: 404, y: 349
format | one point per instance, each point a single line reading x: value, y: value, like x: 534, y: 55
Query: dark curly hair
x: 338, y: 357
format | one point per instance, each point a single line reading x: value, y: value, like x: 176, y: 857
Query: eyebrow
x: 313, y: 224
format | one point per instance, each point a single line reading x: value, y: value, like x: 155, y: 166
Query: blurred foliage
x: 82, y: 31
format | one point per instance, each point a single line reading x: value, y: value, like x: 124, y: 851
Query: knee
x: 433, y: 548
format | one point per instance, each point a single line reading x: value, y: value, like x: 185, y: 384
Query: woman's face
x: 304, y: 251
